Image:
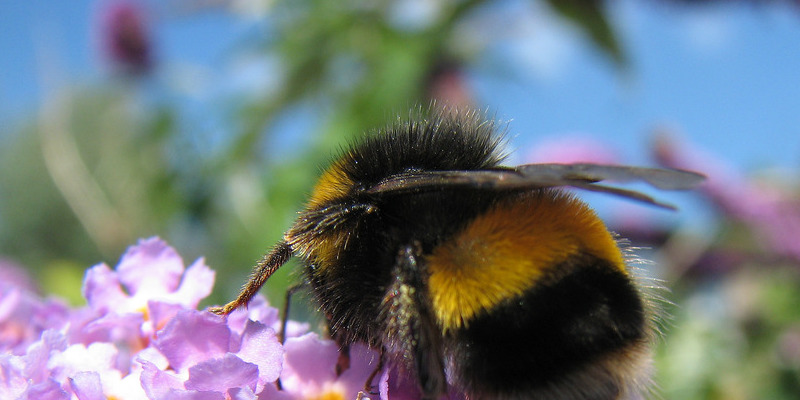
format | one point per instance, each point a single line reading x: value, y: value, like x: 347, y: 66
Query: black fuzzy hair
x: 447, y: 140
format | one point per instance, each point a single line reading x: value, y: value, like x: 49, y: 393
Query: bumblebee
x: 466, y: 273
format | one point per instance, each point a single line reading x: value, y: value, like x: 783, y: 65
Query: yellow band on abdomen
x: 505, y: 251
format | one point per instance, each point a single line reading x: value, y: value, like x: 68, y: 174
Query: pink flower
x: 23, y: 314
x: 141, y: 337
x: 774, y: 214
x: 309, y: 370
x: 203, y: 354
x: 149, y: 271
x: 572, y: 149
x: 125, y: 36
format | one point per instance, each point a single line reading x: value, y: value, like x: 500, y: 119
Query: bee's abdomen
x: 535, y: 301
x: 507, y: 249
x: 580, y: 333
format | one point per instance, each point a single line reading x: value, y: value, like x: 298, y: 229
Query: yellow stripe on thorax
x: 324, y: 247
x: 503, y: 252
x: 333, y: 184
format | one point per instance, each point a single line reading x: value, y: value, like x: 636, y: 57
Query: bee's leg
x: 368, y: 387
x: 368, y: 384
x: 285, y: 317
x: 261, y: 272
x: 343, y: 361
x: 409, y: 325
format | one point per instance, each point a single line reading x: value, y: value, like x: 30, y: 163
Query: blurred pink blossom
x: 771, y: 211
x: 125, y: 35
x: 572, y: 149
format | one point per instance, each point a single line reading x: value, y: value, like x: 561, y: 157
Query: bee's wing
x: 667, y: 179
x: 581, y: 176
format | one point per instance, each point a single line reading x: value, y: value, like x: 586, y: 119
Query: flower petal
x: 157, y: 383
x: 257, y: 310
x: 222, y: 374
x: 13, y: 381
x: 260, y: 346
x: 102, y: 290
x: 114, y: 328
x: 193, y: 395
x: 24, y: 317
x: 241, y: 394
x: 363, y: 361
x: 86, y: 385
x: 309, y: 363
x: 196, y: 285
x: 191, y: 337
x: 390, y: 387
x: 128, y: 388
x: 38, y: 354
x: 47, y: 390
x: 152, y: 265
x: 99, y: 357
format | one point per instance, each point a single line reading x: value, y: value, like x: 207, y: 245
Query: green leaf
x: 590, y: 16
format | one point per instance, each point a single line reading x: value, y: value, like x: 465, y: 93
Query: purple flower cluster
x: 141, y: 337
x: 772, y: 212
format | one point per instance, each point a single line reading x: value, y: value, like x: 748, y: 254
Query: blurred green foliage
x: 99, y: 167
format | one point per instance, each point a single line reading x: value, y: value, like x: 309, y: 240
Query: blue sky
x: 725, y: 76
